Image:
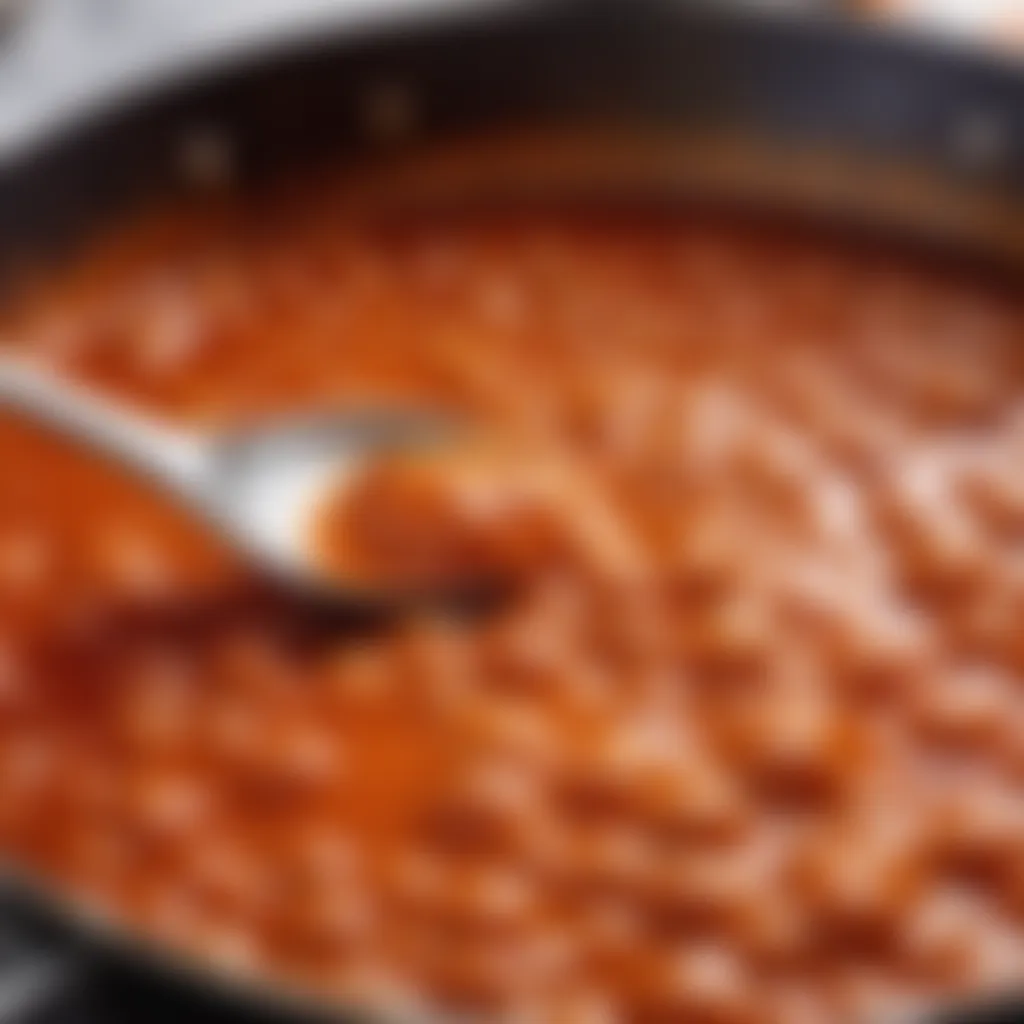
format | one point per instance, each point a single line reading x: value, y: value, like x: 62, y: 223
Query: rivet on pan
x: 206, y: 157
x: 388, y: 111
x: 979, y: 140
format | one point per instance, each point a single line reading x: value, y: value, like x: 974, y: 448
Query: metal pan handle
x: 33, y: 981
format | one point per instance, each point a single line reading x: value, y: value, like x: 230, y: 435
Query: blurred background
x: 53, y: 48
x: 60, y: 51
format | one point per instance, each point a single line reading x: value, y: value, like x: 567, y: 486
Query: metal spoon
x: 258, y: 487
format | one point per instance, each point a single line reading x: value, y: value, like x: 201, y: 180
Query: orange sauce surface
x: 749, y: 751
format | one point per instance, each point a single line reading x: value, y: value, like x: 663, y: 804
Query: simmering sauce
x: 745, y: 745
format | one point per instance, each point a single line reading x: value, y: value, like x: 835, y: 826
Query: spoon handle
x: 89, y: 419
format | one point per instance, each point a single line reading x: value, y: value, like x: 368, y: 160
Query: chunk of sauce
x: 469, y: 513
x: 748, y: 750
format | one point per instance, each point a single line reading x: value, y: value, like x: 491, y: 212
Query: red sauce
x: 747, y: 745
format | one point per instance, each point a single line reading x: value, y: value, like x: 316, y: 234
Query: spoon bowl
x: 266, y: 485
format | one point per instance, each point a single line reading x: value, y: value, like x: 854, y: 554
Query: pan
x: 809, y: 116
